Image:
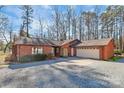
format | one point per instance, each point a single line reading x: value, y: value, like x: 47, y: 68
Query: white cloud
x: 46, y: 7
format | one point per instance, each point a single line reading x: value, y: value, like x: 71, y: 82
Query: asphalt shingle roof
x: 100, y: 42
x: 40, y: 41
x: 32, y: 41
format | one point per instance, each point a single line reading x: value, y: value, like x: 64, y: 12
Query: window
x: 37, y: 50
x: 52, y: 51
x: 33, y: 50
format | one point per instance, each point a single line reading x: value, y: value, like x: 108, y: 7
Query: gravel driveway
x: 68, y: 72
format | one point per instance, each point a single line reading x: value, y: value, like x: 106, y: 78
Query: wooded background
x: 86, y: 25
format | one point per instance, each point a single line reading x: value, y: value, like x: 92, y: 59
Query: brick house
x: 27, y: 46
x: 97, y: 49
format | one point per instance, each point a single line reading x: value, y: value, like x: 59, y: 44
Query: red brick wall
x: 23, y: 50
x: 47, y: 49
x: 14, y: 53
x: 108, y: 51
x: 100, y: 52
x: 69, y: 49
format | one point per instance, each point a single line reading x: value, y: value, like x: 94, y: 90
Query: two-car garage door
x: 88, y: 53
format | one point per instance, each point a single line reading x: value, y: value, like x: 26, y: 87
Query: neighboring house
x: 97, y: 49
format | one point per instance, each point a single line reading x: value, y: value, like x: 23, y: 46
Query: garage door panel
x: 88, y: 53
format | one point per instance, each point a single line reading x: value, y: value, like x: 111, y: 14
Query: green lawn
x: 116, y: 58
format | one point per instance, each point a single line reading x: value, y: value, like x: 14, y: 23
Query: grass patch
x: 116, y: 58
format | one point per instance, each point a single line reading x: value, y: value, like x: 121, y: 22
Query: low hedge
x: 36, y: 57
x: 50, y: 56
x: 26, y: 58
x: 39, y: 57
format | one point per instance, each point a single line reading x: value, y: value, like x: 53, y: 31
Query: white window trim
x: 37, y: 50
x: 40, y: 50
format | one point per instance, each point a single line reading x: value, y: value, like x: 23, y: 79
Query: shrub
x: 39, y: 57
x: 63, y: 56
x: 26, y: 58
x: 36, y: 57
x: 118, y: 52
x: 115, y: 58
x: 50, y: 56
x: 8, y: 58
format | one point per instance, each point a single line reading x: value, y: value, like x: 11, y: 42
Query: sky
x: 14, y: 13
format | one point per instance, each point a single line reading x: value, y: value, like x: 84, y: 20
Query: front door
x: 72, y: 51
x: 57, y: 51
x: 65, y: 52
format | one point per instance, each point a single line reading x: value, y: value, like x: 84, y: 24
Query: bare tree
x: 22, y: 33
x: 5, y: 30
x: 63, y: 26
x: 3, y: 27
x: 27, y: 16
x: 97, y: 22
x: 56, y: 20
x: 69, y: 18
x: 80, y: 26
x: 41, y: 26
x: 74, y: 25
